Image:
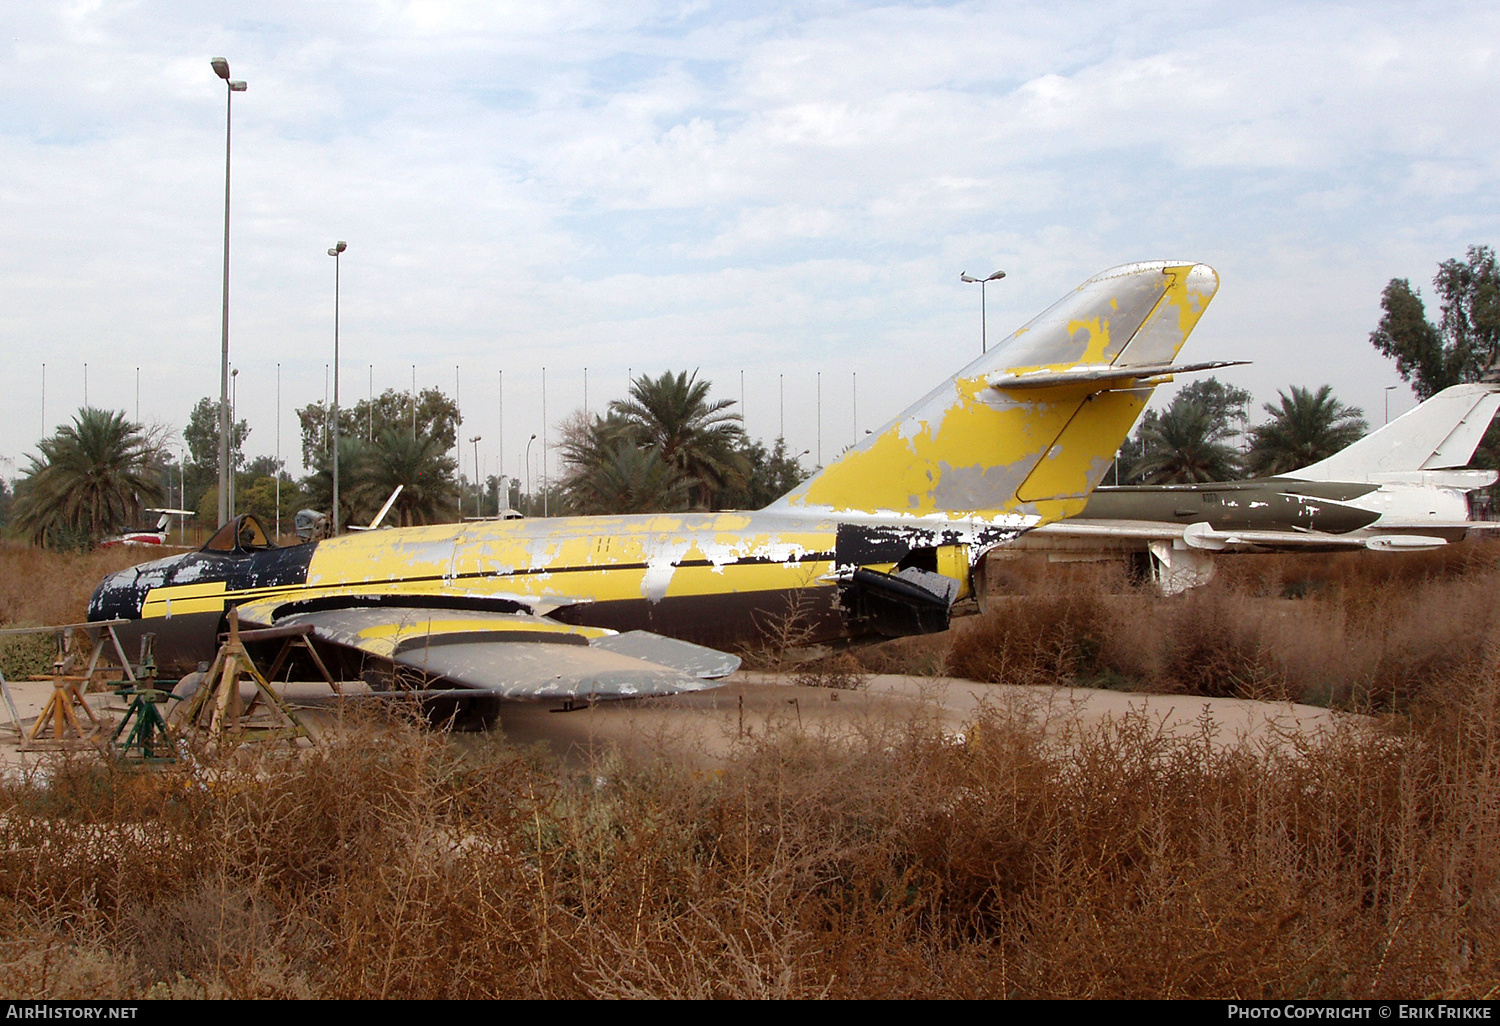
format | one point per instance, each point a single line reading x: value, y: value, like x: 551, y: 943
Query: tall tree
x: 769, y: 474
x: 699, y: 437
x: 201, y: 470
x: 431, y: 413
x: 1465, y: 343
x: 93, y: 477
x: 1306, y: 427
x: 628, y: 478
x: 1226, y: 404
x: 1189, y: 439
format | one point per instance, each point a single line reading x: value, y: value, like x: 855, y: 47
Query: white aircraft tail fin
x: 1031, y: 426
x: 1439, y: 434
x: 168, y: 514
x: 375, y: 524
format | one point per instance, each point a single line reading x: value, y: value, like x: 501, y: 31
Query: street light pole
x: 984, y: 341
x: 1388, y: 389
x: 477, y: 511
x: 234, y: 408
x: 529, y: 501
x: 336, y: 252
x: 221, y: 68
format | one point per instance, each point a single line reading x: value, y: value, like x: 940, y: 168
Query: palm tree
x: 354, y: 501
x: 698, y: 437
x: 421, y: 465
x: 628, y: 479
x: 93, y: 477
x: 1181, y: 446
x: 1307, y: 427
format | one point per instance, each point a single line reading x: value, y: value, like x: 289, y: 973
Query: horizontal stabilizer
x: 1462, y: 480
x: 1104, y: 376
x: 698, y: 660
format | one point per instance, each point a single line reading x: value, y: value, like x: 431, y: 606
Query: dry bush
x: 40, y: 586
x: 26, y: 655
x: 924, y: 655
x: 1039, y: 639
x: 1362, y: 630
x: 1215, y: 643
x: 840, y: 671
x: 784, y: 636
x: 1032, y: 860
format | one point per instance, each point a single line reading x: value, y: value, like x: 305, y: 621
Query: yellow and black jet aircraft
x: 880, y: 543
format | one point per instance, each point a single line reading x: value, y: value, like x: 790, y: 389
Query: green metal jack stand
x: 149, y: 740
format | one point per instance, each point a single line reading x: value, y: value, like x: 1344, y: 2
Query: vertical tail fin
x: 1031, y: 426
x: 1440, y: 433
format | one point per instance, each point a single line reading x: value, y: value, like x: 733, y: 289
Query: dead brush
x: 921, y: 656
x: 840, y: 671
x: 1034, y: 640
x: 785, y: 637
x: 41, y: 586
x: 1216, y: 645
x: 1034, y: 859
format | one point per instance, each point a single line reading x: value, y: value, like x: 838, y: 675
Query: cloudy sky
x: 787, y: 192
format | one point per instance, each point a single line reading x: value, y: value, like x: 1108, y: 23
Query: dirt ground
x: 704, y: 728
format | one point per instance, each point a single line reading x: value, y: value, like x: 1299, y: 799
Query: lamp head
x: 966, y: 276
x: 338, y: 248
x: 221, y: 67
x: 237, y: 86
x: 996, y: 276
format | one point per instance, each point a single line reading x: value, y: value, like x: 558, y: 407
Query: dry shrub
x: 840, y: 671
x: 1040, y: 639
x: 1364, y: 630
x: 1031, y: 860
x: 26, y: 655
x: 40, y: 586
x: 785, y: 637
x: 1215, y: 644
x: 1351, y: 573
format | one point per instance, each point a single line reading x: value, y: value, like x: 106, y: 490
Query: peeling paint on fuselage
x: 614, y: 569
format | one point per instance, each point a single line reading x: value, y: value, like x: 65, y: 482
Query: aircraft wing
x: 1126, y: 535
x: 508, y: 654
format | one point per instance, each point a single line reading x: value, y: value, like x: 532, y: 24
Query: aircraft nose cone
x: 118, y: 597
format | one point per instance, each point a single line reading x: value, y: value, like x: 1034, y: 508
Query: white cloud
x: 780, y: 190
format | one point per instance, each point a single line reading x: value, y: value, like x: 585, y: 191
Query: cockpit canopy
x: 244, y: 533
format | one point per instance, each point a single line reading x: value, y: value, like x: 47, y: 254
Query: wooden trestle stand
x: 58, y: 725
x: 215, y: 706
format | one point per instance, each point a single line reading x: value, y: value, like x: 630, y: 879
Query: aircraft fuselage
x: 1259, y: 504
x: 727, y: 580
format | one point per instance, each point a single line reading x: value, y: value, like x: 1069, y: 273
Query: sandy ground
x: 705, y: 727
